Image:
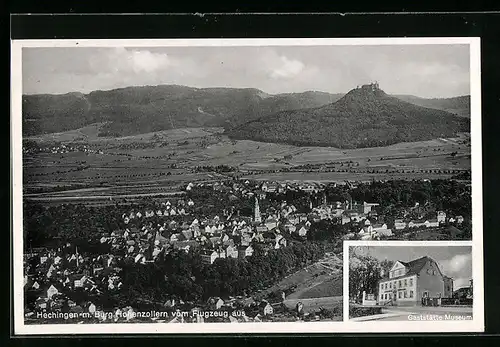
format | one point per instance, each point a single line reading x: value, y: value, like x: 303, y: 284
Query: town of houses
x: 54, y: 275
x: 62, y: 149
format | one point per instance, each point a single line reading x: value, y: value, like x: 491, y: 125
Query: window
x: 411, y: 282
x: 390, y: 285
x: 434, y: 272
x: 411, y: 293
x: 399, y: 283
x: 406, y: 294
x: 381, y: 296
x: 406, y: 282
x: 399, y: 295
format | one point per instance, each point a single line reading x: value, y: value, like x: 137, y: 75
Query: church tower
x: 257, y: 216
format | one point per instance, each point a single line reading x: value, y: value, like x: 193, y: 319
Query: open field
x: 328, y: 269
x: 329, y: 288
x: 314, y: 304
x: 163, y: 162
x: 90, y: 134
x: 341, y: 176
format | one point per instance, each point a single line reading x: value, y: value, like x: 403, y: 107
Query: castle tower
x: 257, y: 216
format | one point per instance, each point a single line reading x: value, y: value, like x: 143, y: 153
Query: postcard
x: 285, y: 185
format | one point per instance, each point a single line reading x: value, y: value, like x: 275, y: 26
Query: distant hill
x: 459, y: 105
x: 136, y: 110
x: 364, y: 117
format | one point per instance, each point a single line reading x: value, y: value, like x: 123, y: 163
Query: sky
x: 454, y: 261
x: 420, y: 70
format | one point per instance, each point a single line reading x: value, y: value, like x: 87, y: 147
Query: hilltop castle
x: 372, y: 86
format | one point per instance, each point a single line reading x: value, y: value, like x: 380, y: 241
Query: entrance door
x: 425, y: 298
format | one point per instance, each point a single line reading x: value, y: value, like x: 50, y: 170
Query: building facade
x: 409, y: 282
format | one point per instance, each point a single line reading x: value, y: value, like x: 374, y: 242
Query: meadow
x: 165, y: 161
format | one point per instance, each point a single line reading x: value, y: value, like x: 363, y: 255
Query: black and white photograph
x: 204, y: 182
x: 410, y: 283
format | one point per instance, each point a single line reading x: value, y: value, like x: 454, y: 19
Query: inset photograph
x: 410, y: 283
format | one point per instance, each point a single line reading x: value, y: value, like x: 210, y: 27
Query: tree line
x: 183, y: 276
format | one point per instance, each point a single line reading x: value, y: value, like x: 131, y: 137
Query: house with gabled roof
x: 51, y: 291
x: 441, y: 216
x: 215, y: 303
x: 177, y: 237
x: 260, y: 228
x: 399, y: 224
x: 271, y: 223
x: 35, y: 285
x: 265, y: 308
x: 222, y: 253
x: 431, y: 223
x: 289, y: 227
x: 41, y: 303
x: 245, y: 251
x: 301, y: 229
x: 78, y: 280
x: 232, y: 252
x: 416, y: 224
x: 139, y: 258
x: 408, y: 283
x: 209, y: 256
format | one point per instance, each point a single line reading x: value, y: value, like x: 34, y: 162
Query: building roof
x: 413, y: 267
x: 263, y: 304
x: 462, y: 289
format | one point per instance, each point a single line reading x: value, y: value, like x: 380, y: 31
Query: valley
x: 162, y: 163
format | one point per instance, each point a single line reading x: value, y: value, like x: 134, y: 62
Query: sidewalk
x: 392, y: 312
x: 427, y: 309
x: 378, y: 316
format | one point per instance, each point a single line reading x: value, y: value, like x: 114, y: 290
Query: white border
x: 248, y: 42
x: 286, y: 327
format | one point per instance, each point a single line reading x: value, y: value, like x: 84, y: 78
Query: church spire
x: 257, y: 216
x: 77, y: 256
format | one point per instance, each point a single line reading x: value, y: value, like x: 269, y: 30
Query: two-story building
x: 209, y: 256
x: 409, y: 282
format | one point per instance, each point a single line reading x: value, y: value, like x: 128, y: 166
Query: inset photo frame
x: 422, y: 286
